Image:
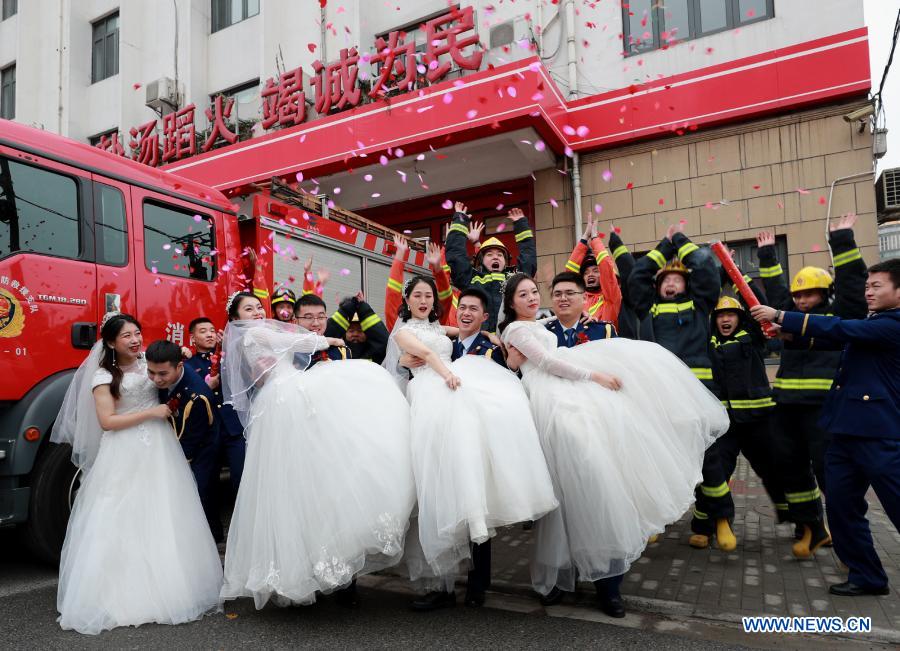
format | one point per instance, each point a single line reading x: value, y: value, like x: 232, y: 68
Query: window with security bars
x: 345, y: 269
x: 105, y: 48
x: 226, y: 13
x: 747, y: 260
x: 651, y: 25
x: 8, y: 92
x: 10, y: 8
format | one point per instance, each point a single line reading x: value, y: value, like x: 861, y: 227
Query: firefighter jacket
x: 605, y: 304
x: 628, y: 324
x: 581, y: 333
x: 680, y: 324
x: 375, y: 345
x: 393, y: 297
x: 739, y: 371
x: 808, y: 365
x: 463, y: 274
x: 865, y: 398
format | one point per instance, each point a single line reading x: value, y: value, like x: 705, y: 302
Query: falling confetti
x: 471, y: 113
x: 822, y: 201
x: 554, y: 203
x: 540, y: 146
x: 629, y: 186
x: 447, y: 205
x: 607, y: 175
x: 598, y: 208
x: 501, y: 227
x: 447, y: 98
x: 368, y: 177
x: 582, y: 131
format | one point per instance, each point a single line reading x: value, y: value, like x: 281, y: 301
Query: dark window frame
x: 10, y: 9
x: 94, y: 140
x: 100, y: 224
x: 220, y: 14
x: 189, y: 213
x: 8, y: 105
x: 657, y: 26
x: 85, y: 250
x: 104, y: 48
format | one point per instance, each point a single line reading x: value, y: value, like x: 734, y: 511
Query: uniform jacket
x: 808, y: 366
x: 230, y: 424
x: 464, y: 275
x: 377, y: 335
x: 193, y: 411
x: 865, y: 397
x: 330, y: 354
x: 483, y: 346
x: 628, y: 325
x: 739, y: 371
x: 591, y: 331
x: 679, y: 324
x: 605, y: 304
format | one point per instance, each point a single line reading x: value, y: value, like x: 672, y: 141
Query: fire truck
x: 84, y: 232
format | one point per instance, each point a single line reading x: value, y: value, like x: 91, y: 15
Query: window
x: 226, y: 13
x: 105, y: 52
x: 95, y: 140
x: 747, y: 261
x: 10, y: 8
x: 8, y: 92
x: 38, y: 211
x: 242, y: 94
x: 112, y: 229
x: 650, y: 24
x: 178, y: 242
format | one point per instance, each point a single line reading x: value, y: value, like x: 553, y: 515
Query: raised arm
x: 609, y: 284
x: 461, y: 270
x: 641, y: 282
x: 705, y: 285
x: 849, y: 271
x: 393, y: 294
x: 771, y: 272
x: 527, y: 259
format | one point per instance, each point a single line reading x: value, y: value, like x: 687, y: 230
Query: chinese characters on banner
x: 334, y: 85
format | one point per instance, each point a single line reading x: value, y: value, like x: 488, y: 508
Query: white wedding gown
x: 476, y: 455
x: 138, y: 548
x: 624, y: 463
x: 327, y: 488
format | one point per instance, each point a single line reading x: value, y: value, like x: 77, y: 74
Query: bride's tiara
x: 108, y: 316
x: 230, y: 300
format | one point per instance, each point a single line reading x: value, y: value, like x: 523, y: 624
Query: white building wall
x: 284, y: 30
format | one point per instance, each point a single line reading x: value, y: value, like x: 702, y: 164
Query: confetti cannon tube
x: 738, y: 279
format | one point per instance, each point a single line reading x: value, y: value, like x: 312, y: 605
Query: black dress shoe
x: 553, y: 597
x: 433, y: 601
x: 847, y: 589
x: 474, y: 598
x: 347, y: 597
x: 613, y: 607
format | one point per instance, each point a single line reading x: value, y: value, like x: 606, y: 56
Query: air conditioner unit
x: 509, y: 32
x: 162, y: 94
x: 887, y: 194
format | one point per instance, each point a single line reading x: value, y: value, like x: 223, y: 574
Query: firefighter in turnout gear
x: 629, y: 324
x: 737, y: 350
x: 356, y: 323
x: 674, y: 299
x: 492, y: 263
x: 602, y: 295
x: 283, y: 300
x: 808, y: 364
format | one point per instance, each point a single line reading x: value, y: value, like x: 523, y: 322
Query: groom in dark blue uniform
x: 193, y: 417
x: 862, y: 415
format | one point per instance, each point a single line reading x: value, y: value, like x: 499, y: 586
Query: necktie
x: 570, y: 337
x: 458, y: 349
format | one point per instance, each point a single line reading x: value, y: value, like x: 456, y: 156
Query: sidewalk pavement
x: 759, y: 577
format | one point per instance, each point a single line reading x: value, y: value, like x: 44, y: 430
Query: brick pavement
x: 759, y: 577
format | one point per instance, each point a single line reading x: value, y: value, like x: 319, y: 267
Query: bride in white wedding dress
x: 137, y: 548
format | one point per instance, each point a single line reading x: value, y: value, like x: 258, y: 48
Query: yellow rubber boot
x: 813, y: 538
x: 725, y: 539
x: 699, y: 541
x: 652, y: 539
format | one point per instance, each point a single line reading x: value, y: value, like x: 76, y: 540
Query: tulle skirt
x: 138, y: 548
x: 327, y: 487
x: 477, y: 460
x: 624, y: 463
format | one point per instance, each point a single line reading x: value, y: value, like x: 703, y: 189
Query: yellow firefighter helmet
x: 727, y: 302
x: 673, y: 266
x: 811, y: 278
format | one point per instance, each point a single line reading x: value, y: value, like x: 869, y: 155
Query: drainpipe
x: 573, y: 94
x: 828, y: 214
x: 59, y: 89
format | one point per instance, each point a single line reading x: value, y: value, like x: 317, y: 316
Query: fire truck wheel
x: 54, y: 481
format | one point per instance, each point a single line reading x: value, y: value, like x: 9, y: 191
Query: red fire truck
x: 83, y: 232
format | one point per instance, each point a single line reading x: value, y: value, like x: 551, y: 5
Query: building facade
x: 725, y: 115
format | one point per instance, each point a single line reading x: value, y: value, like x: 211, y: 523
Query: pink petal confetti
x: 501, y: 227
x: 135, y: 86
x: 569, y: 152
x: 498, y: 207
x: 345, y: 272
x: 582, y: 131
x: 779, y: 204
x: 398, y: 153
x: 375, y: 195
x: 383, y: 159
x: 617, y: 230
x: 554, y: 203
x: 368, y: 177
x: 682, y: 221
x: 822, y: 201
x: 311, y: 47
x: 166, y: 247
x: 342, y: 229
x: 198, y: 218
x: 802, y: 191
x: 511, y: 91
x: 406, y: 231
x: 816, y: 248
x: 303, y: 138
x: 337, y: 190
x: 447, y: 98
x: 540, y: 146
x: 153, y: 269
x: 662, y: 202
x: 629, y: 186
x: 598, y: 208
x: 569, y: 131
x: 471, y: 113
x: 537, y: 97
x: 607, y: 175
x: 425, y: 108
x: 299, y: 177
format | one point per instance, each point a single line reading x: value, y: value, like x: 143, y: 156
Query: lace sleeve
x: 528, y: 345
x: 101, y: 377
